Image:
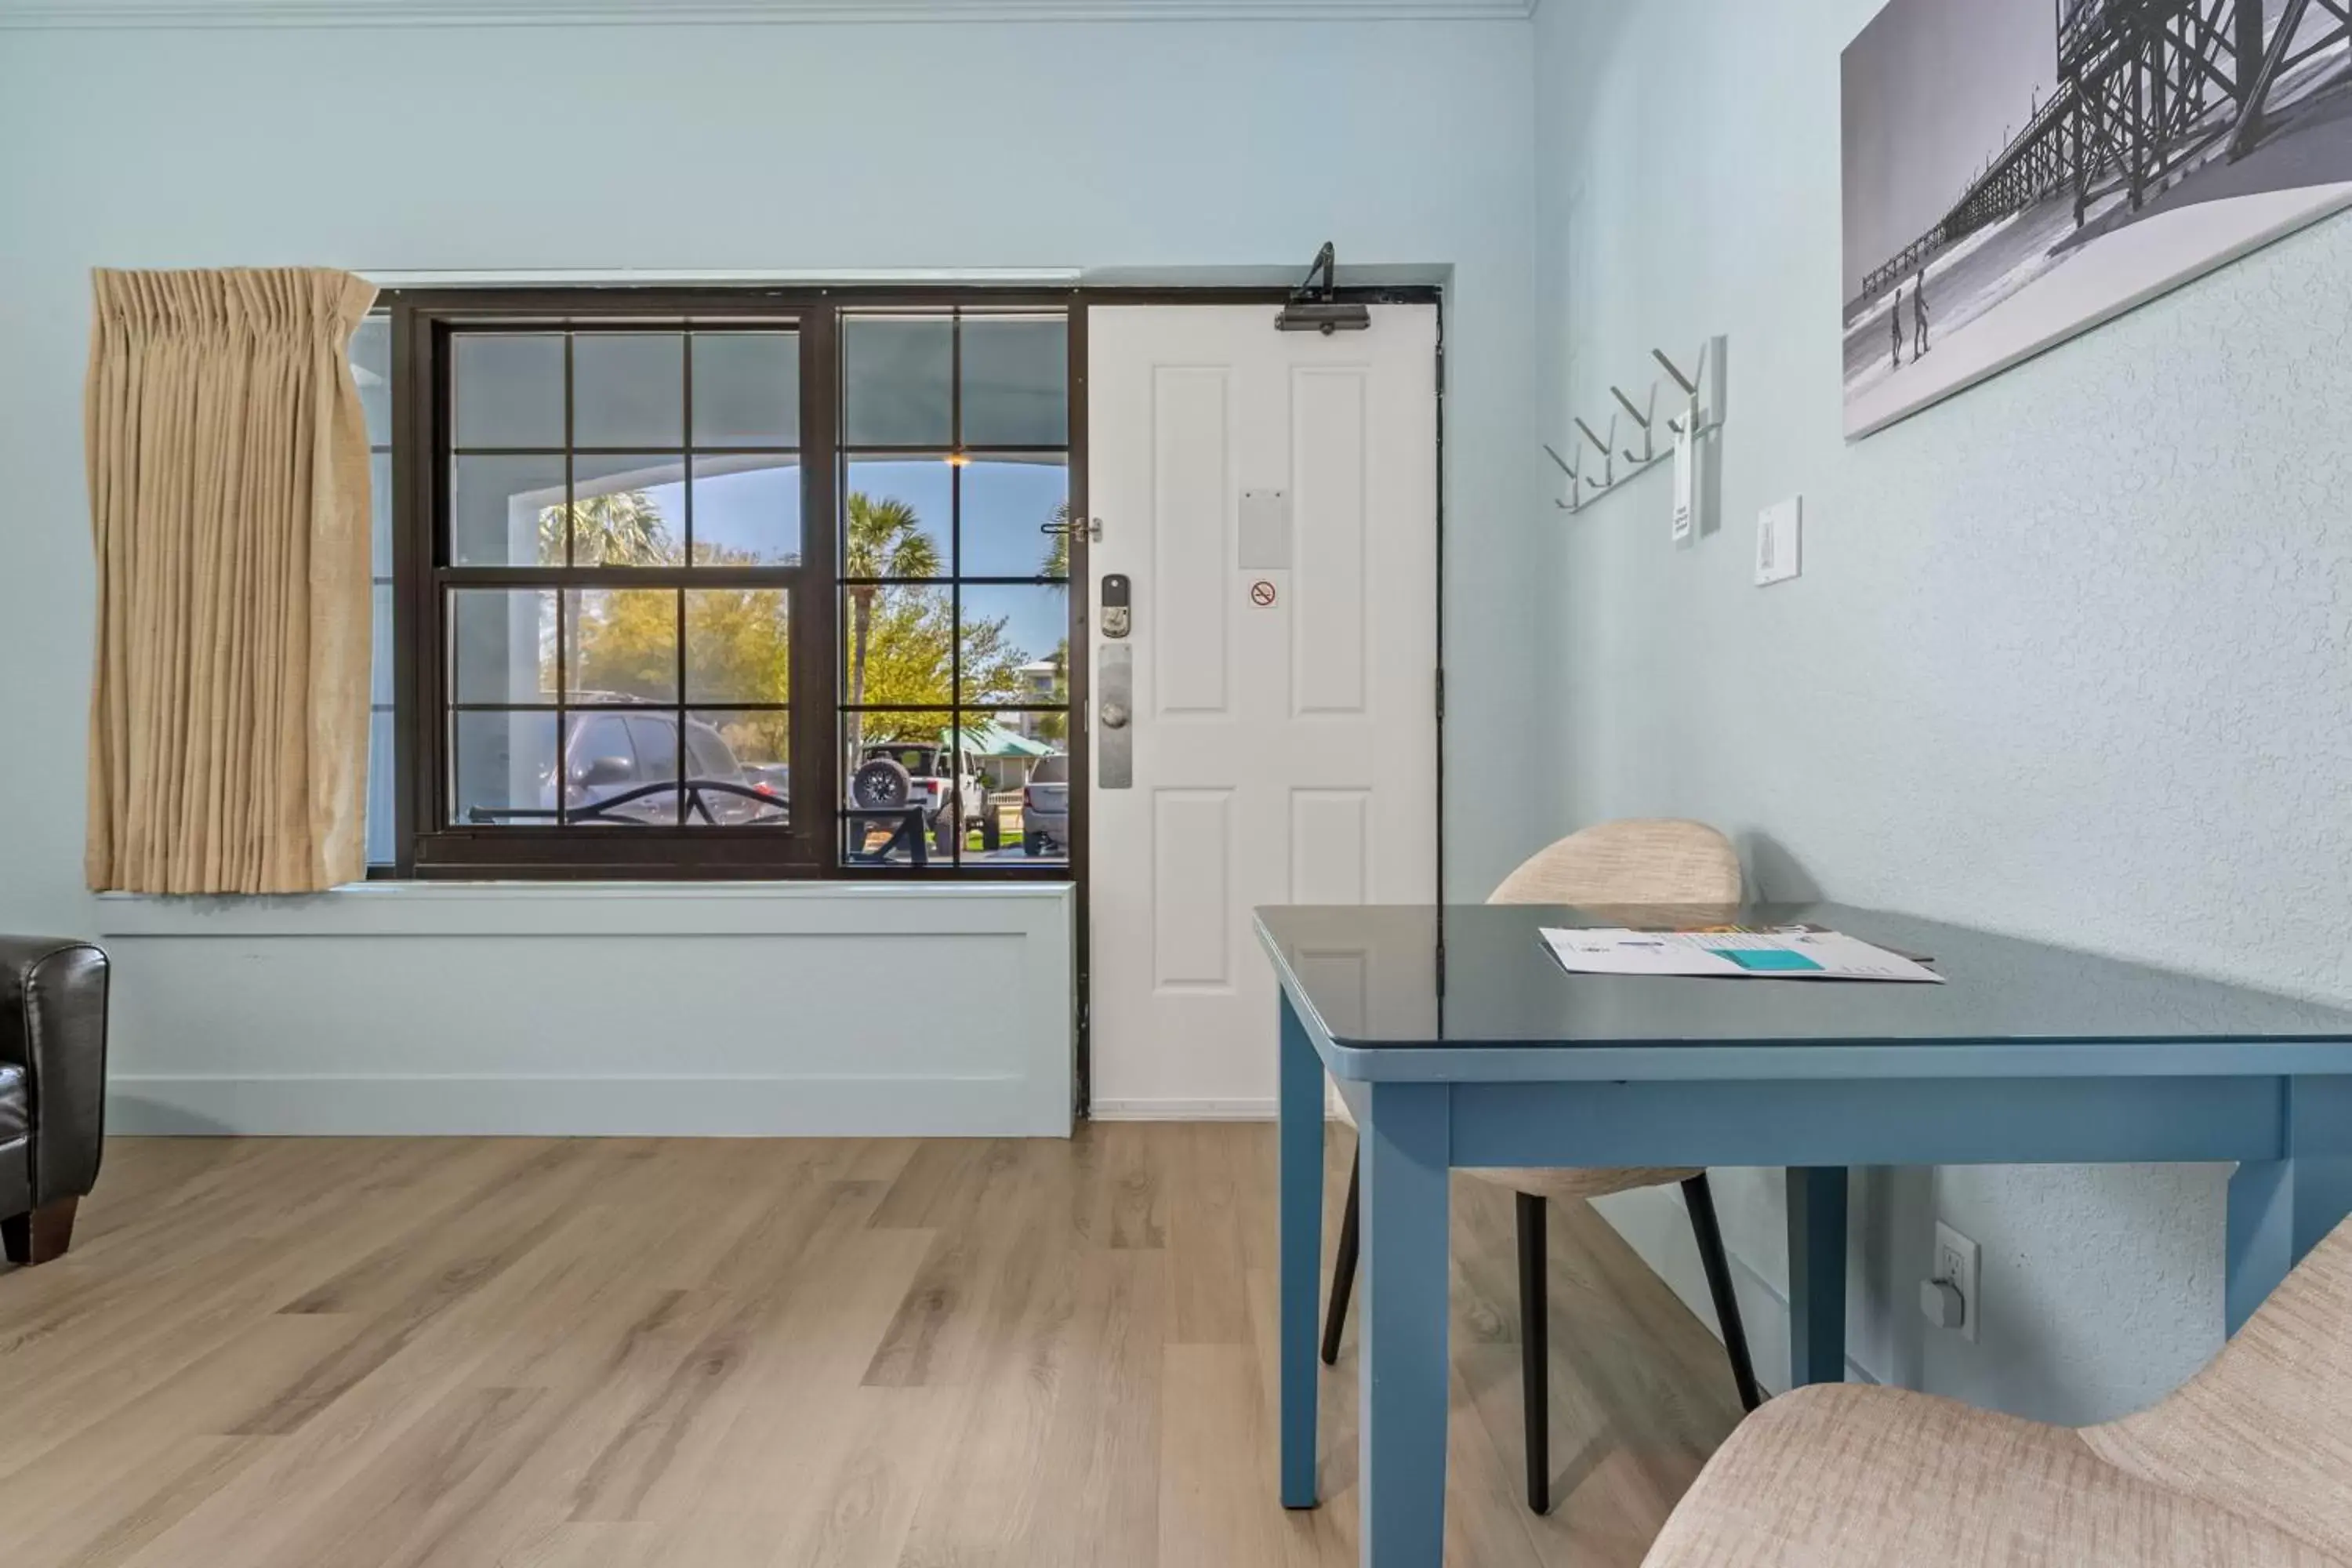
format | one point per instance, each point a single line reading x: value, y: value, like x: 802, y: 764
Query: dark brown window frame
x: 422, y: 324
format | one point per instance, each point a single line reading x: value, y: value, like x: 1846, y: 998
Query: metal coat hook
x: 1608, y: 450
x: 1689, y: 387
x: 1703, y: 415
x: 1575, y: 480
x: 1641, y: 418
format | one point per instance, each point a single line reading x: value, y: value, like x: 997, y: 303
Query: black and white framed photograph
x: 2018, y: 171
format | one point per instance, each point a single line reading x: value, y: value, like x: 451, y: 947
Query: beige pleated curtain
x: 229, y: 504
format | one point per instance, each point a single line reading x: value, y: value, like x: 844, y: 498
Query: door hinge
x: 1441, y: 694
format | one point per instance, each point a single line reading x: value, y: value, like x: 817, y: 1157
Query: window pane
x: 380, y: 514
x: 1008, y: 633
x: 996, y: 762
x: 505, y: 511
x: 380, y: 823
x: 503, y: 645
x: 628, y: 389
x: 655, y: 736
x: 612, y: 779
x: 894, y: 381
x: 747, y: 510
x: 600, y: 738
x: 738, y: 644
x: 747, y: 757
x: 897, y: 518
x: 509, y: 389
x: 380, y: 656
x: 897, y: 646
x: 372, y: 369
x: 1044, y: 786
x: 1015, y: 381
x: 900, y: 783
x: 628, y: 511
x: 623, y: 644
x: 502, y: 768
x: 1006, y: 502
x: 747, y: 389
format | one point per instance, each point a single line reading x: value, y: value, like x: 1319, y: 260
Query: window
x: 735, y: 584
x: 954, y: 581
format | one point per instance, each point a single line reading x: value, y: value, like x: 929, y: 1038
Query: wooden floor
x: 325, y: 1354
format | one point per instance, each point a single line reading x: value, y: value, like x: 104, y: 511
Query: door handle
x: 1115, y: 704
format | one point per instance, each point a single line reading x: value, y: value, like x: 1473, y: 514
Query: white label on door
x: 1266, y: 531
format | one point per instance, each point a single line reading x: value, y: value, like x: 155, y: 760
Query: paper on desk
x: 1797, y: 952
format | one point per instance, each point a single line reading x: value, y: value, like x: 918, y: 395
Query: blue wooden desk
x: 1457, y: 1040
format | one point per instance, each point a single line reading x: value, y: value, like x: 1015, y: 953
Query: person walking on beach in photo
x: 1918, y: 314
x: 1894, y: 324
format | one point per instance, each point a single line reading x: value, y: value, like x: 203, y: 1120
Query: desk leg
x: 1816, y: 1275
x: 1404, y: 1145
x: 2279, y: 1209
x: 1301, y: 1222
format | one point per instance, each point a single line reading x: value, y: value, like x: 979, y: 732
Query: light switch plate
x: 1779, y: 533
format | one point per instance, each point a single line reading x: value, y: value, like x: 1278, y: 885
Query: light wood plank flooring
x: 329, y: 1353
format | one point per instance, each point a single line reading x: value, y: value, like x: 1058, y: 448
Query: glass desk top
x: 1388, y: 976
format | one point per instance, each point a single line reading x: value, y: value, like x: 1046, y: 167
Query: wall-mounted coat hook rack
x: 1702, y: 393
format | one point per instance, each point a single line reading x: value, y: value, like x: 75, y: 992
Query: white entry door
x: 1271, y: 499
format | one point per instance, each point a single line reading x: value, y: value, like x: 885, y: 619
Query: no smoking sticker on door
x: 1263, y: 593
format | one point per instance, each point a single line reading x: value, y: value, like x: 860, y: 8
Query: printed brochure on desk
x: 1732, y: 953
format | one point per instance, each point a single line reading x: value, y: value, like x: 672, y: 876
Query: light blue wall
x: 2070, y: 655
x: 1143, y: 148
x: 1139, y: 151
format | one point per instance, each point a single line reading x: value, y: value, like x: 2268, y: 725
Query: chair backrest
x: 2265, y: 1430
x: 1633, y: 862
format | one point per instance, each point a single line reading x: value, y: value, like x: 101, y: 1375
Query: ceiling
x: 438, y: 13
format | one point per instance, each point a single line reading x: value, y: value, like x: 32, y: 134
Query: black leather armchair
x: 52, y: 1090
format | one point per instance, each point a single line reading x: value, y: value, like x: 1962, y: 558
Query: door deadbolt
x: 1118, y: 620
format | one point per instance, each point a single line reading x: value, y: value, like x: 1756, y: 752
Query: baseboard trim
x: 1181, y: 1110
x: 353, y: 1105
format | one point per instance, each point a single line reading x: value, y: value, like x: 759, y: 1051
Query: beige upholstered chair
x: 2248, y: 1465
x: 1634, y: 868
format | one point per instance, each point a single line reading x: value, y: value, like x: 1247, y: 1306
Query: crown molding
x: 175, y: 13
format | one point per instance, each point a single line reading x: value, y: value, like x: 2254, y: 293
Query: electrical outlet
x: 1956, y: 1260
x: 1780, y: 531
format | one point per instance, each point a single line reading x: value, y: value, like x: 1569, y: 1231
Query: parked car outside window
x: 614, y: 762
x: 1045, y: 806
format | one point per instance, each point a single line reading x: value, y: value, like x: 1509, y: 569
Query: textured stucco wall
x: 2069, y: 657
